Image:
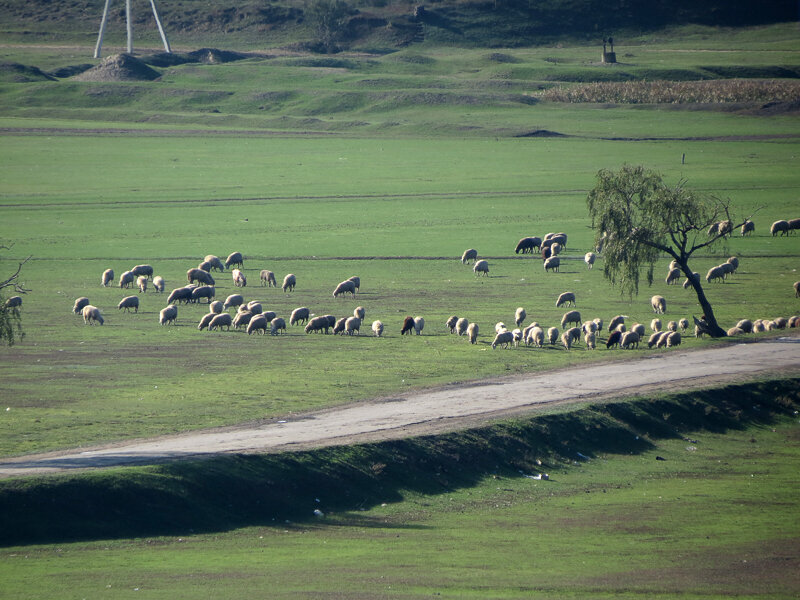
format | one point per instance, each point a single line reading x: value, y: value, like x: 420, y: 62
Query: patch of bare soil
x: 119, y: 67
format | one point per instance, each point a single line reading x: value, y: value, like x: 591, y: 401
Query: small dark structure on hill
x: 609, y: 56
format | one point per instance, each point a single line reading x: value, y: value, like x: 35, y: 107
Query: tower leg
x: 129, y: 22
x: 160, y: 28
x: 99, y: 44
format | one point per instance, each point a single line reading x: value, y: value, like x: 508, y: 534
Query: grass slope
x: 453, y: 515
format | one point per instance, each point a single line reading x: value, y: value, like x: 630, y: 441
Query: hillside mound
x: 17, y: 73
x: 214, y: 56
x: 119, y: 67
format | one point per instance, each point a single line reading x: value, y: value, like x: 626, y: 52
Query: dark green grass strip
x: 230, y: 492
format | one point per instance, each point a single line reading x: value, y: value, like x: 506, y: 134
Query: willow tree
x: 639, y: 219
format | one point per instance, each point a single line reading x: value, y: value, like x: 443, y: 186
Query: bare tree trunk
x: 714, y: 330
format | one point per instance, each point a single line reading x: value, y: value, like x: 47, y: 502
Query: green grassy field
x: 690, y: 495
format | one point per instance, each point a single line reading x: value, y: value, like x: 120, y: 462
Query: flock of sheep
x: 251, y: 316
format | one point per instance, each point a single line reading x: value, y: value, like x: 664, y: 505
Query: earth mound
x: 71, y: 70
x: 541, y: 133
x: 119, y: 67
x: 17, y: 73
x: 214, y: 56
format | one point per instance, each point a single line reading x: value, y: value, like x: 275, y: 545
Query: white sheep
x: 91, y: 314
x: 672, y: 326
x: 107, y: 277
x: 242, y: 318
x: 235, y: 258
x: 461, y: 326
x: 574, y: 333
x: 653, y: 340
x: 451, y: 323
x: 567, y: 298
x: 338, y: 326
x: 182, y: 294
x: 359, y: 312
x: 168, y: 315
x: 638, y: 328
x: 734, y: 331
x: 128, y: 303
x: 289, y: 282
x: 748, y: 227
x: 673, y: 276
x: 746, y: 325
x: 377, y: 328
x: 589, y: 326
x: 126, y: 279
x: 258, y: 324
x: 205, y: 320
x: 536, y: 336
x: 254, y: 306
x: 630, y: 339
x: 79, y: 304
x: 552, y: 335
x: 504, y: 338
x: 500, y: 326
x: 566, y: 339
x: 481, y: 266
x: 233, y: 301
x: 673, y: 339
x: 552, y: 264
x: 659, y: 304
x: 142, y: 270
x: 733, y: 260
x: 352, y: 325
x: 204, y: 291
x: 655, y: 325
x: 215, y: 262
x: 356, y: 280
x: 517, y: 333
x: 419, y: 325
x: 268, y: 278
x: 216, y: 307
x: 519, y: 316
x: 683, y: 324
x: 469, y: 254
x: 615, y: 322
x: 573, y: 316
x: 299, y: 315
x: 591, y: 340
x: 781, y: 227
x: 220, y: 321
x: 239, y: 279
x: 599, y: 322
x: 159, y: 283
x: 688, y: 282
x: 472, y: 333
x: 345, y: 287
x: 589, y: 259
x: 277, y: 325
x: 318, y: 324
x: 555, y: 249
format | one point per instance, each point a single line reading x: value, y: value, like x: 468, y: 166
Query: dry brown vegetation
x: 677, y: 92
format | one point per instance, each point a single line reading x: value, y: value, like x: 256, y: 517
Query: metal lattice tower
x: 129, y: 23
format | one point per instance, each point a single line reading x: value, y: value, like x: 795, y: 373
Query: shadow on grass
x: 233, y: 491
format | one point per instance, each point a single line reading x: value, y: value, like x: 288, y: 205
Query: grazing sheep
x: 535, y: 337
x: 733, y: 260
x: 339, y: 326
x: 588, y: 326
x: 720, y: 228
x: 359, y: 312
x: 481, y: 266
x: 461, y: 326
x: 797, y: 289
x: 345, y: 287
x: 182, y: 294
x: 552, y: 335
x: 278, y: 324
x: 199, y: 276
x: 673, y: 264
x: 159, y: 283
x: 91, y: 314
x: 128, y: 303
x: 599, y: 322
x: 235, y: 259
x: 546, y: 252
x: 715, y: 273
x: 638, y: 328
x: 419, y: 325
x: 377, y: 328
x: 268, y: 278
x: 205, y: 320
x: 289, y: 282
x: 552, y: 264
x: 239, y: 279
x: 621, y: 328
x: 733, y: 331
x: 451, y: 323
x: 257, y: 323
x: 408, y: 326
x: 567, y: 298
x: 572, y: 316
x: 528, y: 244
x: 673, y: 339
x: 352, y: 324
x: 727, y: 269
x: 472, y: 333
x: 629, y: 339
x: 519, y: 316
x: 574, y: 333
x: 615, y: 322
x: 216, y: 307
x: 469, y: 255
x: 673, y: 276
x: 683, y: 324
x: 781, y: 227
x: 142, y: 271
x: 205, y: 266
x: 659, y: 304
x: 205, y: 291
x: 299, y: 315
x: 270, y: 315
x: 555, y: 249
x: 748, y: 227
x: 79, y: 304
x: 168, y: 315
x: 589, y: 259
x: 356, y: 280
x: 746, y: 325
x: 655, y: 325
x: 591, y: 340
x: 500, y: 326
x: 759, y: 326
x: 566, y: 339
x: 215, y: 262
x: 780, y: 323
x: 794, y: 321
x: 504, y: 338
x: 654, y: 339
x: 220, y: 321
x: 107, y: 277
x: 613, y: 339
x: 126, y: 279
x: 254, y: 306
x: 688, y: 282
x: 317, y: 324
x: 233, y: 301
x: 242, y: 318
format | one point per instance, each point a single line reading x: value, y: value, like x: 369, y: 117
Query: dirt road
x: 441, y: 409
